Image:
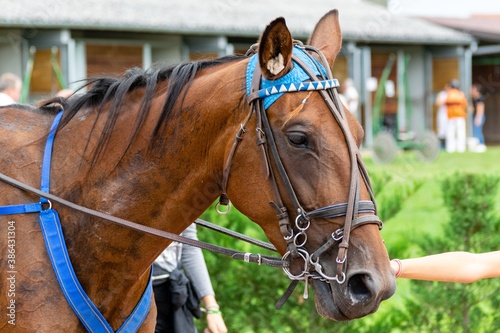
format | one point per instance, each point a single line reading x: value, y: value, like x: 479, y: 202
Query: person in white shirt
x: 10, y: 89
x: 173, y: 317
x: 442, y: 115
x: 350, y: 96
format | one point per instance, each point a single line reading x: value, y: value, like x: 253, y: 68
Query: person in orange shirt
x: 456, y: 105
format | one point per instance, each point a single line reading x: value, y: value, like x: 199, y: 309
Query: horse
x: 159, y: 147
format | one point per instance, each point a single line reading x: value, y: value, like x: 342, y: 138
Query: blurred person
x: 10, y: 89
x: 177, y: 294
x: 442, y: 115
x: 459, y: 266
x: 350, y: 96
x: 478, y: 116
x: 456, y: 105
x: 65, y: 93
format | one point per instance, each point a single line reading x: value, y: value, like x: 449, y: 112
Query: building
x: 480, y: 19
x: 87, y: 37
x: 485, y: 63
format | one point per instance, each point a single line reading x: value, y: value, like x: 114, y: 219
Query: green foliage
x: 424, y: 212
x: 473, y: 227
x: 392, y: 192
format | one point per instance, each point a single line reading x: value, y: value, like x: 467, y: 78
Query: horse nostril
x: 358, y: 287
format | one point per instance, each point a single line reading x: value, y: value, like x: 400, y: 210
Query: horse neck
x: 166, y: 191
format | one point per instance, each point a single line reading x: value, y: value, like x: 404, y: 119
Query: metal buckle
x: 338, y: 234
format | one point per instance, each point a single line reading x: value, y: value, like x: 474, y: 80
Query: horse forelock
x: 108, y: 95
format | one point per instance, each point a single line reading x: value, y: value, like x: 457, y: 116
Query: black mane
x: 114, y: 90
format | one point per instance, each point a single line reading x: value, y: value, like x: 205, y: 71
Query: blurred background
x: 396, y: 54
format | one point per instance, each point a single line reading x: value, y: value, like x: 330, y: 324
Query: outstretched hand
x: 215, y: 323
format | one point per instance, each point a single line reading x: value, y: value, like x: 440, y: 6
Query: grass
x: 407, y: 165
x: 424, y: 210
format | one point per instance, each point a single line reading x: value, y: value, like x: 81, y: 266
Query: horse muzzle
x: 360, y: 295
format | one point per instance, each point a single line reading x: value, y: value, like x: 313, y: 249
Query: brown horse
x: 152, y: 147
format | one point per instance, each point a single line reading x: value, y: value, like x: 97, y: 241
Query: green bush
x: 473, y: 227
x: 392, y: 192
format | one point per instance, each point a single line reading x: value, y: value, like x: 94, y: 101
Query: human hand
x: 215, y: 323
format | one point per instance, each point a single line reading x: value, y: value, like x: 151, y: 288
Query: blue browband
x: 294, y: 80
x: 53, y: 236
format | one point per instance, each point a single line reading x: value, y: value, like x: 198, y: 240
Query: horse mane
x: 104, y: 90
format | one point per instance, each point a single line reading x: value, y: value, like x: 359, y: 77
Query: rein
x: 38, y: 207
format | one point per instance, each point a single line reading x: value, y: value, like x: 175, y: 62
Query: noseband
x: 312, y: 75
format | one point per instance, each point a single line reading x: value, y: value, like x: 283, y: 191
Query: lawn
x: 423, y: 210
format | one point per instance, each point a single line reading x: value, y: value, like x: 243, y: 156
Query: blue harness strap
x: 52, y: 232
x: 21, y: 209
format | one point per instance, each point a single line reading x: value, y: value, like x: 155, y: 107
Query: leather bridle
x: 295, y: 234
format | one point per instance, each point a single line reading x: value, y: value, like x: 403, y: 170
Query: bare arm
x: 463, y: 267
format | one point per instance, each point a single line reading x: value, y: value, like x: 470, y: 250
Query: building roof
x: 360, y: 20
x: 484, y: 27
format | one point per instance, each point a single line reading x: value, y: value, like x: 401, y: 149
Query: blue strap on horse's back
x: 50, y: 224
x: 21, y: 209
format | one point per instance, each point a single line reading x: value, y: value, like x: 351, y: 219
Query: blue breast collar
x: 53, y: 236
x: 294, y: 80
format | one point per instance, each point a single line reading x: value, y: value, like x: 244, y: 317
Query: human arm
x: 193, y: 262
x: 479, y: 113
x: 441, y: 99
x: 215, y: 322
x: 462, y: 267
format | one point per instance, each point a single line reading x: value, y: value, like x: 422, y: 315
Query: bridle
x: 318, y: 78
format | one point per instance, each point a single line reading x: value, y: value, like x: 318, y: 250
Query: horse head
x: 311, y: 177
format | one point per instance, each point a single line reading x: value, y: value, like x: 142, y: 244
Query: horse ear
x: 327, y: 36
x: 275, y: 50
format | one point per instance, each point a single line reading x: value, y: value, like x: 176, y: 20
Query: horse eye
x: 297, y: 139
